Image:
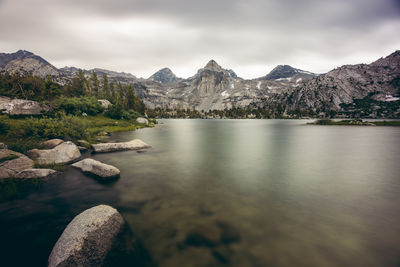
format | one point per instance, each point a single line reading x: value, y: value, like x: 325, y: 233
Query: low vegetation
x: 355, y: 122
x: 26, y: 133
x: 74, y: 110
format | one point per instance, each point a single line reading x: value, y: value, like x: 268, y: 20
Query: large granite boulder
x: 20, y: 106
x: 97, y: 168
x: 64, y: 153
x: 35, y: 173
x: 52, y: 143
x: 142, y: 121
x: 135, y: 144
x: 11, y: 163
x: 88, y: 238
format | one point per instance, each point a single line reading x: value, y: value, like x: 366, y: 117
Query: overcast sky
x: 249, y: 36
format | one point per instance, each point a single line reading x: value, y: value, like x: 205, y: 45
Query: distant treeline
x: 122, y: 96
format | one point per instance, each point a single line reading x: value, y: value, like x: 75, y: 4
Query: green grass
x: 355, y: 123
x: 23, y: 134
x: 386, y: 123
x: 10, y: 157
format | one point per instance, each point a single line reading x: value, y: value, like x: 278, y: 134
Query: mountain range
x: 214, y: 87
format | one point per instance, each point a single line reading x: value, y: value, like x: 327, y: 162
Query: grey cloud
x: 249, y: 36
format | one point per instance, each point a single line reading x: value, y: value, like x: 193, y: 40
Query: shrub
x: 64, y: 126
x: 78, y: 105
x: 4, y: 126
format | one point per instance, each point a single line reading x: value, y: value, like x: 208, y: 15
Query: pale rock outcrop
x: 35, y: 173
x: 135, y: 144
x: 142, y: 120
x: 105, y: 103
x: 9, y: 168
x: 52, y: 143
x: 88, y: 238
x: 97, y: 168
x: 20, y: 106
x: 64, y: 153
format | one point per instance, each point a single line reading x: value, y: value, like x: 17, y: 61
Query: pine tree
x: 95, y: 84
x: 106, y: 90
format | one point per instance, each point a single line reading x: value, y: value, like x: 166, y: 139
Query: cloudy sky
x: 249, y: 36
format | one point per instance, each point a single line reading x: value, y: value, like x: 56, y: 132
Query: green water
x: 291, y: 194
x: 297, y: 194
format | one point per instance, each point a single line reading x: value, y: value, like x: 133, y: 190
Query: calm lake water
x: 279, y: 192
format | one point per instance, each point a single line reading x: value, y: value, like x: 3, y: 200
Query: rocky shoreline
x: 93, y: 235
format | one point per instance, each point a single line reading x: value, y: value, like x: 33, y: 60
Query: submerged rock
x: 52, y: 143
x: 135, y: 144
x: 13, y: 162
x: 208, y: 235
x: 64, y: 153
x: 35, y: 173
x: 88, y: 238
x: 97, y: 168
x: 142, y: 121
x: 212, y: 234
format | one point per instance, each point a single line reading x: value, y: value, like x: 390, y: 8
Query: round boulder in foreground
x: 97, y: 168
x: 88, y: 238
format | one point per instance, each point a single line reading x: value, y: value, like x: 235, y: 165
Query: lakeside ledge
x: 135, y: 144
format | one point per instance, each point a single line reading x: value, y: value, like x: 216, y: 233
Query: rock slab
x: 97, y: 168
x: 64, y: 153
x: 21, y: 106
x: 9, y: 168
x: 88, y: 238
x: 35, y: 173
x: 135, y: 144
x: 52, y: 143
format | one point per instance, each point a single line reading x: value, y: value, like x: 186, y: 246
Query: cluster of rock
x: 55, y: 152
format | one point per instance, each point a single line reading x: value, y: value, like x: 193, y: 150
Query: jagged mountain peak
x: 213, y: 65
x: 285, y: 71
x: 164, y: 75
x: 25, y: 62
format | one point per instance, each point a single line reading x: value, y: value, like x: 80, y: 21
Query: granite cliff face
x: 214, y: 87
x: 380, y: 80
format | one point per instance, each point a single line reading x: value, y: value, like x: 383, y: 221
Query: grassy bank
x: 24, y: 133
x: 355, y: 123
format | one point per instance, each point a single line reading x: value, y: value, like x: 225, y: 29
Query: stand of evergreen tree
x: 80, y: 92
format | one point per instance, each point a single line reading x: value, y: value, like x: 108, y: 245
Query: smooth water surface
x: 280, y: 192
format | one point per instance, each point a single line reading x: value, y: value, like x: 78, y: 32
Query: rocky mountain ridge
x: 214, y: 87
